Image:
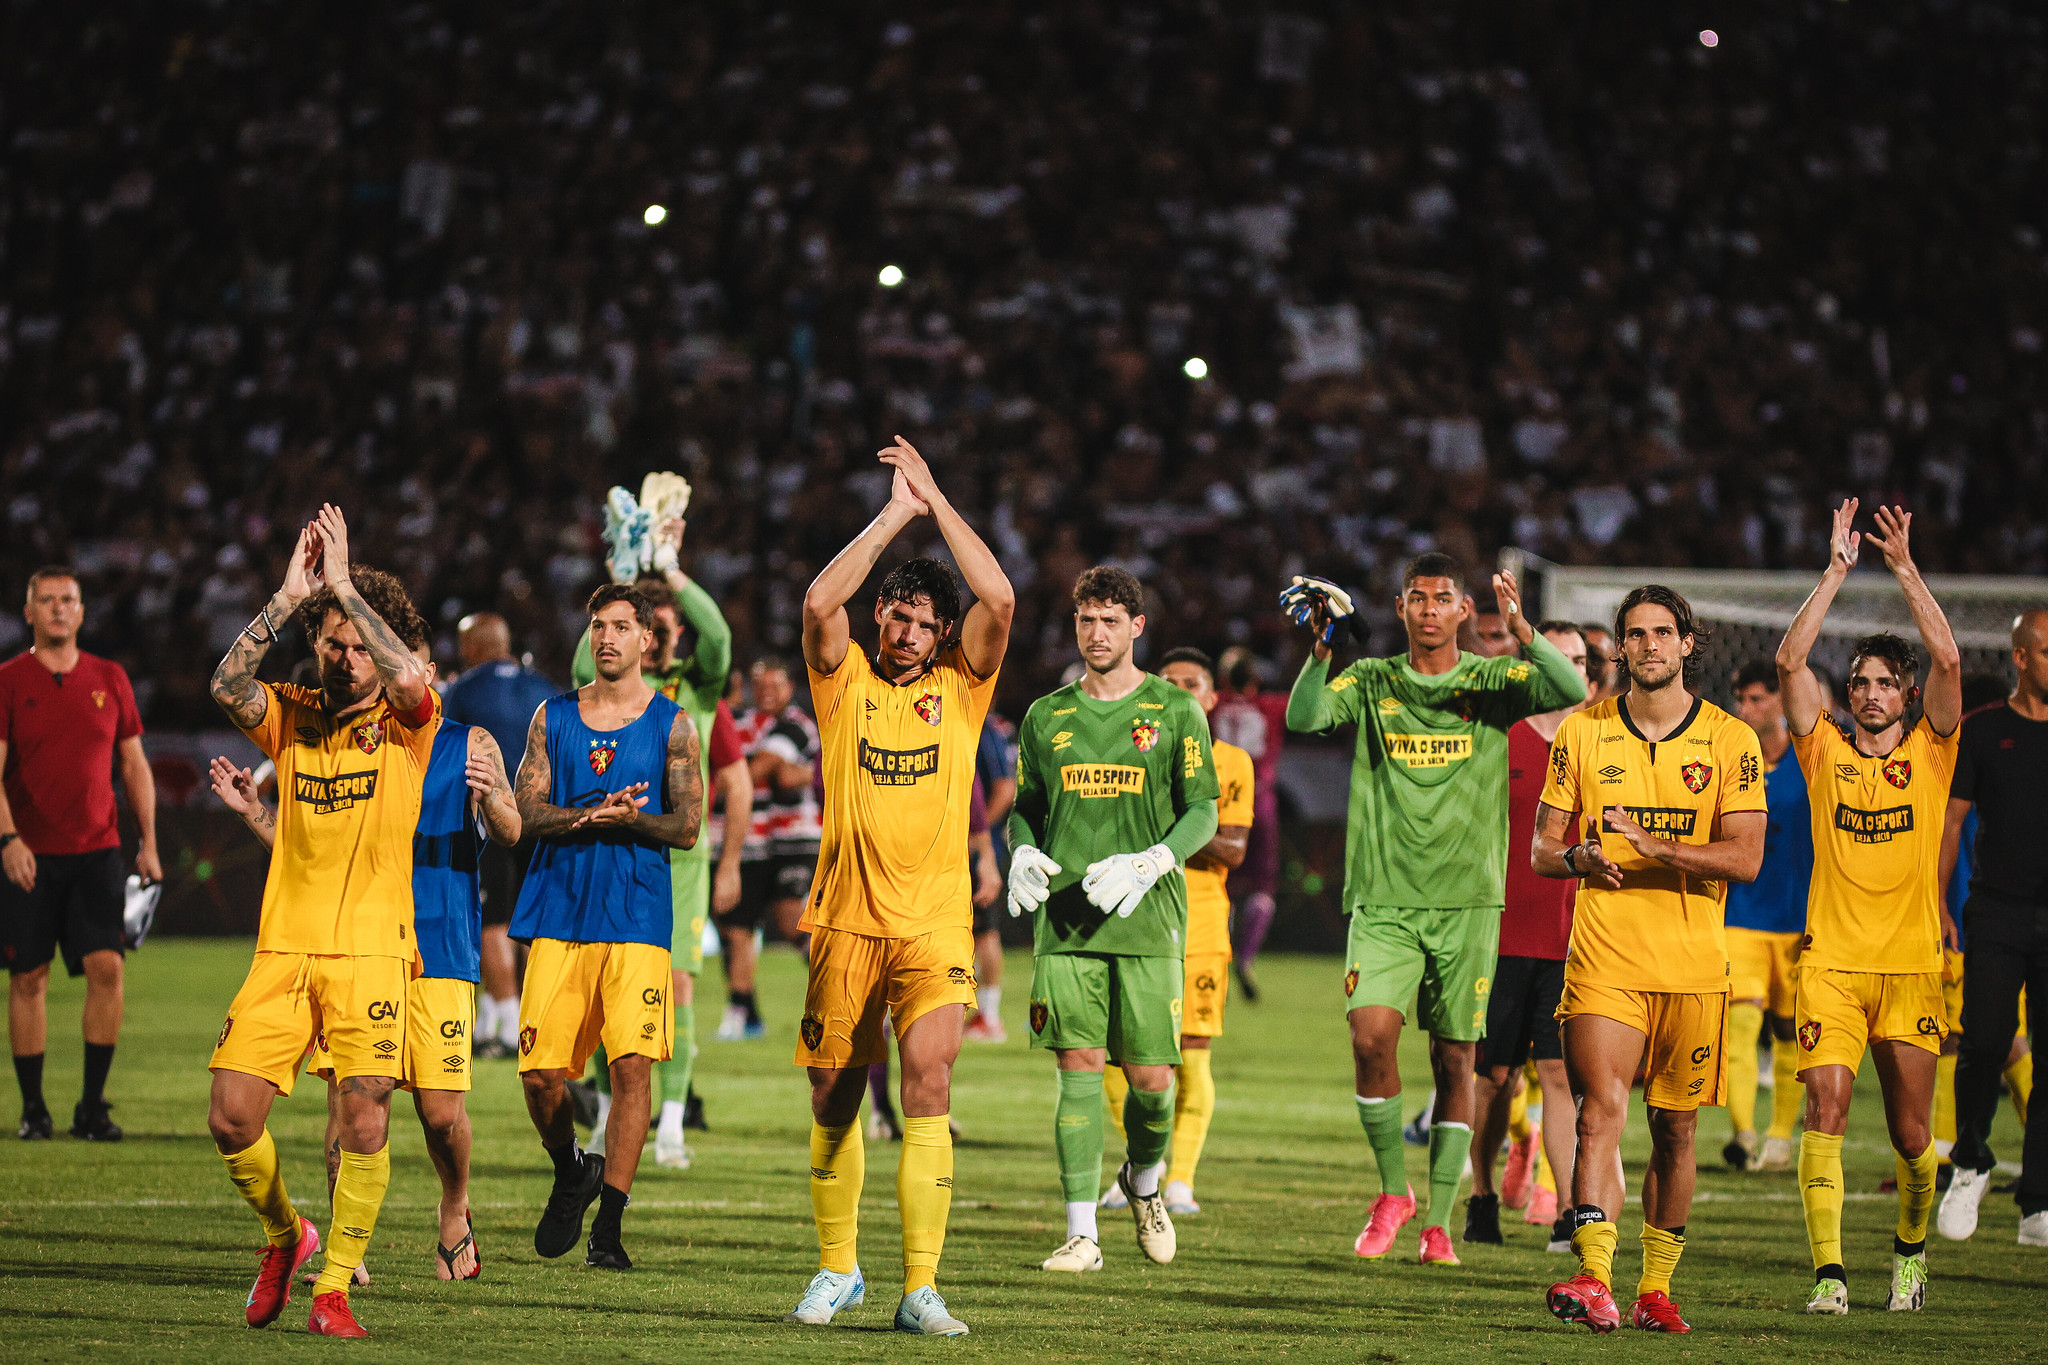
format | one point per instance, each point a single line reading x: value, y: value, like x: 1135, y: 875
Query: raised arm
x: 712, y: 659
x: 1554, y: 684
x: 1804, y: 697
x: 825, y: 628
x: 536, y: 780
x: 490, y: 789
x: 235, y: 688
x: 1313, y: 707
x: 405, y: 681
x: 1942, y: 701
x: 985, y: 634
x: 683, y: 780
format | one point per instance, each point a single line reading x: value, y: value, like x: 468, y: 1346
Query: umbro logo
x: 1612, y: 773
x: 1848, y: 772
x: 452, y: 1063
x: 357, y: 1232
x: 869, y: 703
x: 386, y: 1046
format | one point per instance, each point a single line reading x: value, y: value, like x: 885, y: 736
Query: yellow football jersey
x: 1208, y: 898
x: 348, y: 803
x: 899, y: 781
x: 1874, y: 904
x: 1662, y: 931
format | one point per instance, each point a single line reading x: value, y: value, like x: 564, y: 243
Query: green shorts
x: 1129, y: 1005
x: 1440, y: 959
x: 689, y: 880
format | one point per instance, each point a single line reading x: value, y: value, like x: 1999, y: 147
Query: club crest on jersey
x: 1899, y: 772
x: 1696, y: 776
x: 1809, y: 1034
x: 368, y: 736
x: 1144, y: 734
x: 99, y: 699
x: 602, y: 752
x: 928, y: 707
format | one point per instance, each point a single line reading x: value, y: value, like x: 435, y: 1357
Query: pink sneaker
x: 1520, y: 1176
x: 1436, y: 1248
x: 1390, y: 1213
x: 1542, y: 1210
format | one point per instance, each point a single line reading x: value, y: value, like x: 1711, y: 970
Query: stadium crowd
x: 1635, y: 301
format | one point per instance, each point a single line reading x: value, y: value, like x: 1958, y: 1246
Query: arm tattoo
x: 497, y: 803
x: 393, y: 660
x: 536, y: 780
x: 234, y: 683
x: 684, y: 784
x: 264, y: 824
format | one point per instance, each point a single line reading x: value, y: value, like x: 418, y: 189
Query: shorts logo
x: 1699, y: 1083
x: 1873, y: 826
x: 1929, y: 1026
x: 898, y: 767
x: 1696, y: 775
x: 309, y: 734
x: 383, y: 1009
x: 369, y: 736
x: 1092, y: 780
x: 1205, y: 982
x: 526, y: 1036
x: 1899, y: 772
x: 651, y: 996
x: 384, y: 1046
x: 1144, y: 734
x: 327, y: 795
x: 960, y: 976
x: 225, y: 1029
x: 451, y: 1063
x: 1809, y: 1035
x: 453, y: 1028
x: 1350, y: 982
x: 1428, y: 751
x: 602, y: 752
x: 1700, y: 1054
x: 929, y: 707
x: 812, y: 1031
x: 647, y: 1030
x: 1041, y: 1015
x: 1173, y: 1008
x: 1481, y: 986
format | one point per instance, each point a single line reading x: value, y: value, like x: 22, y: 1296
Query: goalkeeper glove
x: 1031, y: 874
x: 628, y: 536
x: 1121, y: 880
x: 1305, y: 596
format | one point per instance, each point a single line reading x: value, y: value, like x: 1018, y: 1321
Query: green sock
x: 1148, y: 1126
x: 1448, y: 1145
x: 1077, y: 1132
x: 677, y: 1070
x: 604, y: 1072
x: 1382, y: 1120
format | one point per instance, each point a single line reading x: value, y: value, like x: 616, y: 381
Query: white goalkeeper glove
x: 1121, y: 880
x: 628, y: 536
x: 1302, y: 598
x: 1031, y: 874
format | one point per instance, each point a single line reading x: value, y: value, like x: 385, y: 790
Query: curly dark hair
x: 1107, y: 583
x: 643, y: 610
x: 1188, y: 654
x: 927, y: 578
x: 386, y: 596
x: 1895, y: 650
x: 1657, y: 595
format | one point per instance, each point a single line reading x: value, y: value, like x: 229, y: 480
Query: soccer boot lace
x: 1909, y: 1283
x: 828, y: 1292
x: 1482, y: 1219
x: 924, y: 1313
x: 1956, y: 1219
x: 1655, y: 1312
x: 1390, y: 1213
x: 1829, y: 1297
x: 273, y: 1287
x: 1155, y: 1225
x: 331, y: 1317
x: 1583, y: 1299
x: 1520, y: 1176
x: 1079, y: 1254
x: 91, y: 1123
x: 36, y: 1125
x: 1180, y: 1198
x: 561, y: 1222
x: 1436, y: 1247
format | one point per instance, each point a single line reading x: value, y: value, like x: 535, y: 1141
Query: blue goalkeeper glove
x: 1306, y: 598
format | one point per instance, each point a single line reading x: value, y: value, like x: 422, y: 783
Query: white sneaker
x: 1155, y: 1228
x: 1113, y: 1198
x: 596, y: 1144
x: 1957, y: 1217
x: 1180, y: 1198
x: 1830, y: 1297
x: 924, y: 1314
x: 1777, y: 1155
x: 733, y: 1026
x: 2033, y: 1229
x: 828, y: 1292
x: 1909, y: 1283
x: 1079, y: 1254
x: 670, y: 1150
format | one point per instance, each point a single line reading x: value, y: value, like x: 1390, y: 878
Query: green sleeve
x: 1027, y: 815
x: 1314, y: 706
x: 1192, y: 832
x: 1554, y: 684
x: 712, y: 660
x: 582, y: 669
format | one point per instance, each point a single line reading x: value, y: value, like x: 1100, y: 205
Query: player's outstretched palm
x: 914, y: 484
x: 333, y: 532
x: 1845, y: 541
x: 302, y: 575
x: 1890, y: 537
x: 236, y: 787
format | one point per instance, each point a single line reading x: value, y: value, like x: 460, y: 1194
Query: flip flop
x: 448, y: 1255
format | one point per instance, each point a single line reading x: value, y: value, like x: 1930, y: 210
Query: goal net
x: 1746, y: 612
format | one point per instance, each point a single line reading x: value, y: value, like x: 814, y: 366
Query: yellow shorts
x: 856, y: 980
x: 439, y: 1014
x: 1761, y: 967
x: 290, y: 1000
x: 578, y: 995
x: 1207, y: 988
x: 1840, y: 1013
x: 1682, y: 1062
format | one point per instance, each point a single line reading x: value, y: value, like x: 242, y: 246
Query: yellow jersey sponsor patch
x: 1668, y: 821
x: 1429, y: 751
x: 1873, y: 826
x: 1090, y: 780
x: 898, y: 767
x: 329, y: 794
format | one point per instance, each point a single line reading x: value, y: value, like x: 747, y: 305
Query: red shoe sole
x: 1567, y: 1306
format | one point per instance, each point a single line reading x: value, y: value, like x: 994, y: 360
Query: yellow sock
x: 1820, y: 1190
x: 924, y: 1192
x: 1518, y: 1115
x: 1943, y: 1123
x: 257, y: 1175
x: 2019, y: 1083
x: 1115, y: 1085
x: 1544, y: 1176
x: 1788, y: 1096
x: 358, y: 1194
x: 1594, y: 1245
x: 1661, y: 1250
x: 838, y: 1169
x: 1916, y: 1193
x: 1194, y: 1104
x: 1745, y: 1026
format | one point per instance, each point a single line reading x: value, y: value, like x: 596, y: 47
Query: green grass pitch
x: 142, y: 1251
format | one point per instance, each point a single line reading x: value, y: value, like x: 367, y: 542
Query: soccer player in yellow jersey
x: 336, y: 947
x: 1870, y: 966
x: 891, y: 911
x: 1206, y: 973
x: 1670, y: 791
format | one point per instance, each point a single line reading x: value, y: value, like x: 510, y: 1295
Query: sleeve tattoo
x: 234, y: 683
x: 684, y: 784
x: 392, y: 659
x: 536, y: 780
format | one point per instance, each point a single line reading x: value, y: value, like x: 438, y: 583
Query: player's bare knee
x: 32, y: 984
x: 1673, y: 1125
x: 103, y: 970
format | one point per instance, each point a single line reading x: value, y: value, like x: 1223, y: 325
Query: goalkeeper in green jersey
x: 1425, y: 857
x: 1116, y: 787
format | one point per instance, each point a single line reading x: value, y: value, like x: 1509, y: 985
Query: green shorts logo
x: 1351, y: 981
x: 1041, y: 1015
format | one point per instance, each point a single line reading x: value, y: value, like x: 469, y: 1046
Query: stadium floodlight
x: 654, y: 216
x: 1709, y: 38
x: 890, y: 276
x: 1196, y: 368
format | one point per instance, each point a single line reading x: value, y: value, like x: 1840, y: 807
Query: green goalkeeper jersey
x: 1428, y: 826
x: 1096, y: 778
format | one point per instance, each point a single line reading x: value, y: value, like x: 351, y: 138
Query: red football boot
x: 331, y: 1317
x: 1584, y: 1299
x: 1655, y: 1312
x: 273, y: 1287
